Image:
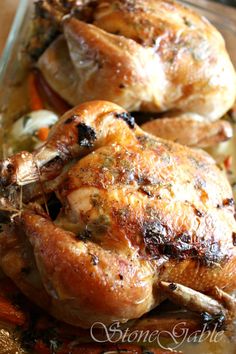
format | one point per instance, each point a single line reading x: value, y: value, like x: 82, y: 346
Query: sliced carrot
x: 9, y: 313
x: 36, y: 102
x: 42, y: 133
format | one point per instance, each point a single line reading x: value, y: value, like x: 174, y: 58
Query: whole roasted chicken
x: 141, y: 219
x: 155, y: 56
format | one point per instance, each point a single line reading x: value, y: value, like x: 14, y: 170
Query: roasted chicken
x: 155, y: 56
x: 141, y: 219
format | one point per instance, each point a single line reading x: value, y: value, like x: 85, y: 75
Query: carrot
x: 9, y: 313
x: 36, y: 102
x: 41, y: 348
x: 42, y: 133
x: 57, y: 103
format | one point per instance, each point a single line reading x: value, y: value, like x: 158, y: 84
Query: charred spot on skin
x: 94, y: 259
x: 172, y: 286
x: 145, y: 190
x: 122, y: 86
x: 71, y: 119
x: 234, y: 238
x: 228, y: 202
x: 211, y: 322
x: 121, y: 277
x: 199, y: 213
x: 86, y: 135
x: 127, y: 118
x: 160, y: 241
x: 154, y: 234
x: 10, y: 168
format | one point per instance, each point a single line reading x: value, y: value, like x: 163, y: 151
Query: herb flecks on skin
x: 187, y: 22
x: 84, y: 235
x: 99, y: 226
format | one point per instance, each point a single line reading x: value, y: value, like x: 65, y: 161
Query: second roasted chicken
x: 155, y: 56
x: 137, y: 213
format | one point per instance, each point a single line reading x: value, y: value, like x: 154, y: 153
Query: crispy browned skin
x: 151, y: 55
x: 136, y: 210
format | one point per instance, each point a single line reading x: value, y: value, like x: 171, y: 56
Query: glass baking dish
x: 11, y: 76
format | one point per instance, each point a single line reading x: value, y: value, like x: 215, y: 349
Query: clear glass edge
x: 12, y: 37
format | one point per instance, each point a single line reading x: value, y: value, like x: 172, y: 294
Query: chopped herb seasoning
x: 187, y: 22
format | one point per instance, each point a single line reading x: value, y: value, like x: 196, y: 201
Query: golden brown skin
x: 151, y: 55
x: 136, y: 211
x: 190, y: 129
